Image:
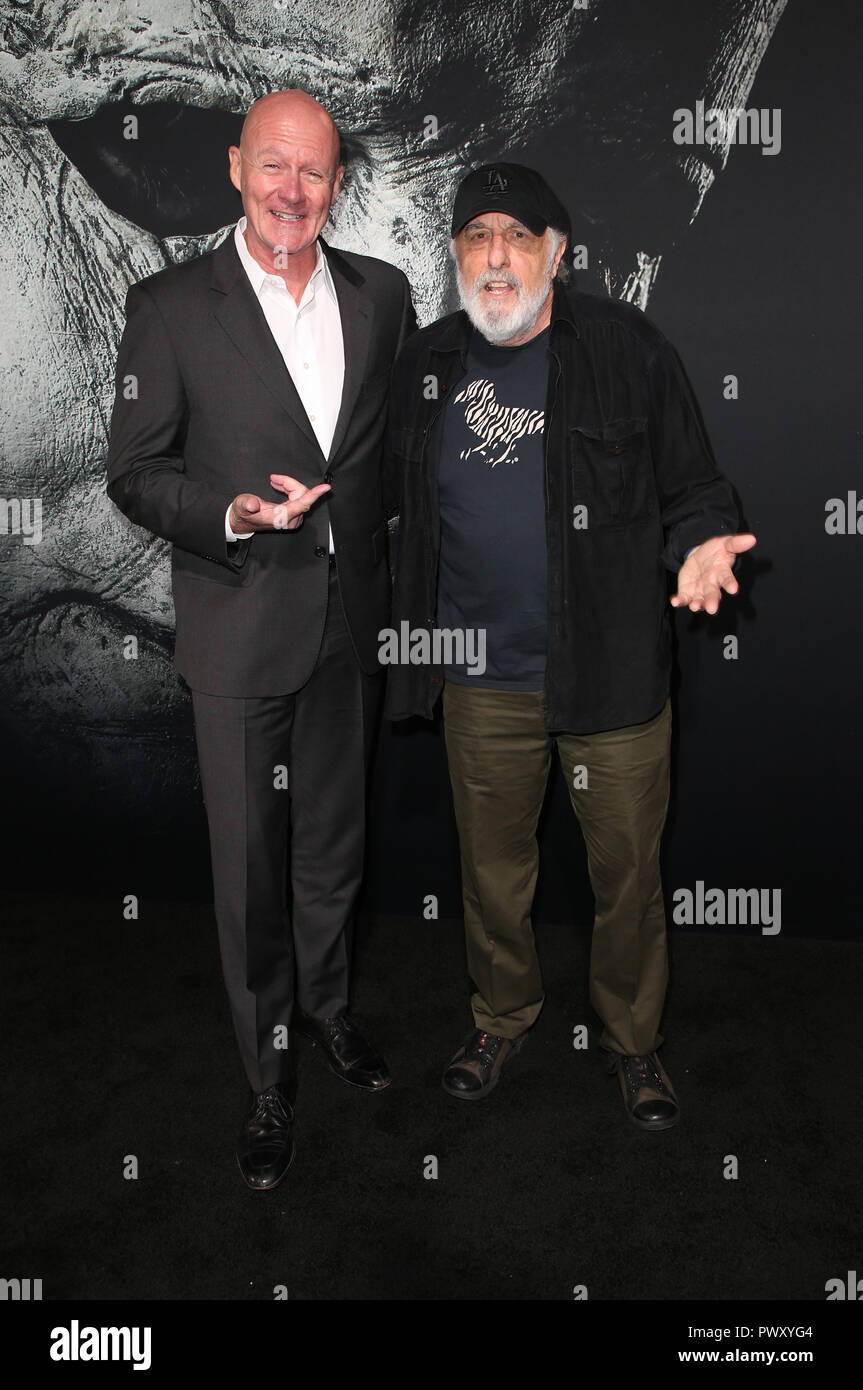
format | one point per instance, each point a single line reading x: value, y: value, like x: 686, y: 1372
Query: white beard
x: 499, y: 325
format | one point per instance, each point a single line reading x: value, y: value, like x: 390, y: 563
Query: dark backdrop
x: 102, y: 786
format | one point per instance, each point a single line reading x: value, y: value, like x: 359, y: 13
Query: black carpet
x: 117, y: 1042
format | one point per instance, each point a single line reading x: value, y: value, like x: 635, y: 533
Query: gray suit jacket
x: 206, y: 409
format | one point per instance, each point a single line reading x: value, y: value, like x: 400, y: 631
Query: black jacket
x: 623, y: 438
x: 214, y: 414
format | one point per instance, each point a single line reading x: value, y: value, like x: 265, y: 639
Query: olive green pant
x: 499, y: 753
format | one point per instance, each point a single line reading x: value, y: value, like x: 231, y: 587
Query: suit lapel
x: 241, y: 316
x: 356, y: 310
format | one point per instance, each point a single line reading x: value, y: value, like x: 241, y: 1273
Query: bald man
x: 247, y: 427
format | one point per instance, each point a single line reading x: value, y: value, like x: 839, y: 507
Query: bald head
x: 292, y: 111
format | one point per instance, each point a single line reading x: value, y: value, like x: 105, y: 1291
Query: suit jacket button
x: 320, y: 551
x: 328, y: 477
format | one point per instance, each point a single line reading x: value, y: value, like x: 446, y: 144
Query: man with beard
x: 552, y: 465
x: 247, y: 430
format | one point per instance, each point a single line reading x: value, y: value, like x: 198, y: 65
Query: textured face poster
x: 117, y: 119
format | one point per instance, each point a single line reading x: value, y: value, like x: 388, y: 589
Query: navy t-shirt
x: 493, y: 567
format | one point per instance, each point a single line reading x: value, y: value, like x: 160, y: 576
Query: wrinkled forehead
x: 585, y: 94
x: 364, y: 59
x: 303, y: 134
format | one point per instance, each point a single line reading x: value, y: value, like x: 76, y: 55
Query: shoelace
x: 483, y: 1049
x: 649, y: 1074
x: 268, y: 1101
x: 339, y: 1025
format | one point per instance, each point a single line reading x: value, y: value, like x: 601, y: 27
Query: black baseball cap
x: 511, y: 188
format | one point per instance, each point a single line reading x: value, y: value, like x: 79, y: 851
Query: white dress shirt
x: 309, y: 337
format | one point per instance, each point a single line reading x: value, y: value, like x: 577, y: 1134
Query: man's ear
x: 337, y: 183
x: 234, y: 166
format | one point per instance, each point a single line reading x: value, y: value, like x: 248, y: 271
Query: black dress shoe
x: 475, y: 1068
x: 265, y: 1149
x: 349, y: 1055
x: 647, y: 1091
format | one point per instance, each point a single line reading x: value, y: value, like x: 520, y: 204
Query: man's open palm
x: 708, y: 571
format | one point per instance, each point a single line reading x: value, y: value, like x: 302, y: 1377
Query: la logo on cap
x: 495, y: 182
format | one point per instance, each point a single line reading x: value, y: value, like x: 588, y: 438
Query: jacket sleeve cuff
x: 231, y: 553
x: 231, y: 535
x: 685, y: 537
x: 236, y: 543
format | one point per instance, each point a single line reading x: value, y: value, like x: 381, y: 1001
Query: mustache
x: 487, y: 277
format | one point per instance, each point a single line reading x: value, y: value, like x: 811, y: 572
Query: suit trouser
x: 499, y: 753
x: 278, y: 771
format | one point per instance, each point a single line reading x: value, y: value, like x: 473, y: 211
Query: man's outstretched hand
x: 708, y: 571
x: 251, y: 513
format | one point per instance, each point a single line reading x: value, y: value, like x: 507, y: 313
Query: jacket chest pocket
x: 407, y: 444
x: 612, y: 473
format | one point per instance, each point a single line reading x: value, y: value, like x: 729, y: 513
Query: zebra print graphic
x: 499, y: 427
